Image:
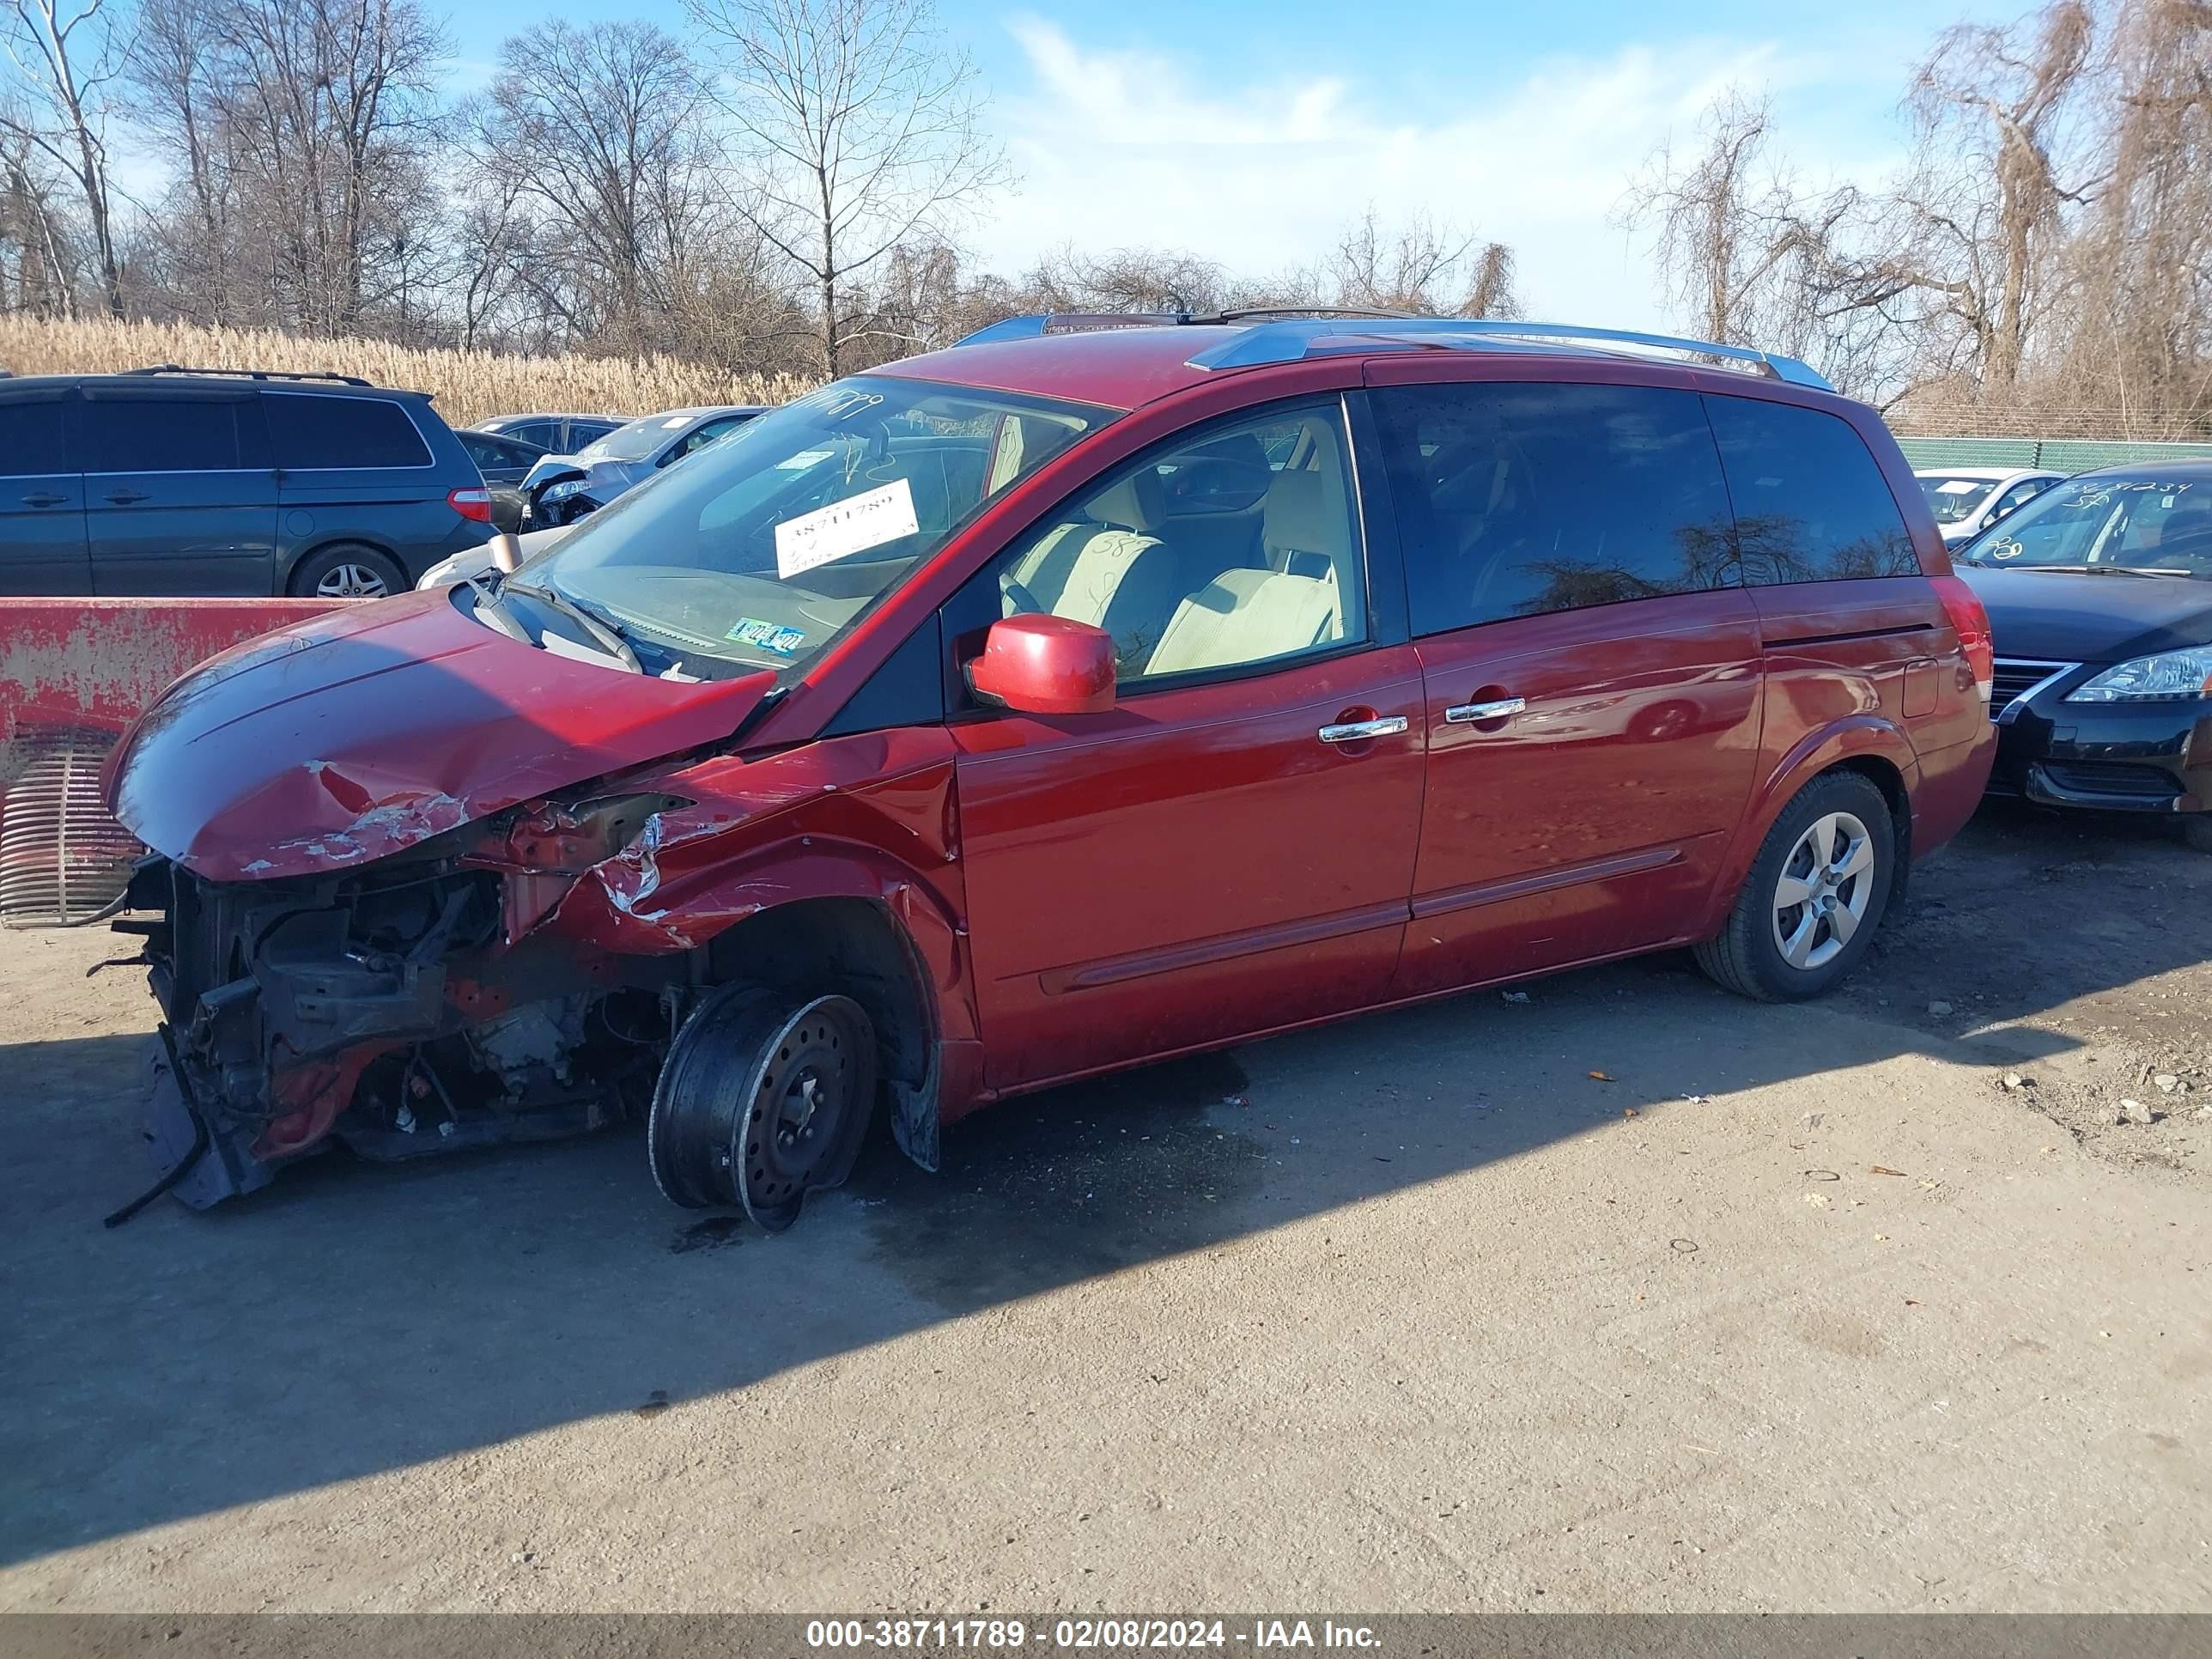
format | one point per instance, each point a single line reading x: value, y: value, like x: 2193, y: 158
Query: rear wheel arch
x: 1883, y: 772
x: 300, y: 575
x: 1870, y: 742
x: 1850, y: 805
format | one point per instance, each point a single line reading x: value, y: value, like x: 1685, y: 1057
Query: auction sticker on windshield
x: 844, y: 528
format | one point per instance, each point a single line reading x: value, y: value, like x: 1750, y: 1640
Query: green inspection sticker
x: 770, y: 636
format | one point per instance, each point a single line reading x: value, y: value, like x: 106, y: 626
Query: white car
x: 1968, y: 500
x: 476, y: 561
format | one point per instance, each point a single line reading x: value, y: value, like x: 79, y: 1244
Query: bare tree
x: 1419, y: 266
x: 2138, y: 277
x: 177, y: 105
x: 601, y: 133
x: 304, y: 131
x: 32, y: 232
x: 863, y: 124
x: 1491, y: 292
x: 65, y: 58
x: 1967, y: 248
x: 1734, y: 247
x: 605, y: 217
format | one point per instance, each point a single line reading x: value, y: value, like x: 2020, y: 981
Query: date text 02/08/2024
x: 1083, y: 1634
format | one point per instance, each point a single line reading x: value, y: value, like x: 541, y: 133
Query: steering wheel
x: 1022, y: 596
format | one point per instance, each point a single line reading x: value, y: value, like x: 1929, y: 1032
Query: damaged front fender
x: 869, y: 815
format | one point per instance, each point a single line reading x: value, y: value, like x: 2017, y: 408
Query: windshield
x: 766, y: 547
x: 1954, y: 500
x: 637, y: 441
x: 2151, y: 521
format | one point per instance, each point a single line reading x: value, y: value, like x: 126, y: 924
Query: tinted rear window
x: 343, y: 432
x: 1811, y: 506
x: 173, y: 434
x: 31, y: 441
x: 1515, y: 500
x: 487, y: 451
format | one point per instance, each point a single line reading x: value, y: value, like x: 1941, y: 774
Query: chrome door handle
x: 1360, y: 731
x: 1467, y: 713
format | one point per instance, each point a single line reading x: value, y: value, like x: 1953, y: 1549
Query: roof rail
x: 1086, y: 322
x: 254, y: 374
x: 1069, y: 322
x: 1289, y: 341
x: 1284, y: 334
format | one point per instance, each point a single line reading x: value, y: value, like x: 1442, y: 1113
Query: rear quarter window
x: 311, y: 432
x: 1811, y: 505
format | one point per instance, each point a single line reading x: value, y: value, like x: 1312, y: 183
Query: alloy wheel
x: 351, y: 581
x: 1821, y: 899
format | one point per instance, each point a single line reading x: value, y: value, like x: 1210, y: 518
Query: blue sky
x: 1250, y: 132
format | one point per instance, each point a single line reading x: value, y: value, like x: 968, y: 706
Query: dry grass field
x: 469, y: 386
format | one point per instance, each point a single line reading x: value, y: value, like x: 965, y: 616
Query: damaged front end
x: 417, y: 886
x: 400, y: 1008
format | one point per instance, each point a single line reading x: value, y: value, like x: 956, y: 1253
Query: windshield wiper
x: 2104, y: 570
x: 598, y: 627
x: 487, y: 606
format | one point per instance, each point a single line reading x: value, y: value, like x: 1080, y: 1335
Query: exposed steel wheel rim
x: 804, y: 1095
x: 351, y: 581
x: 1820, y: 898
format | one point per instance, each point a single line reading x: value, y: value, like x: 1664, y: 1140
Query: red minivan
x: 1084, y: 695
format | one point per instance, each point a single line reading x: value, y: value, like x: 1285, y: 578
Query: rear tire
x: 346, y: 572
x: 1806, y: 915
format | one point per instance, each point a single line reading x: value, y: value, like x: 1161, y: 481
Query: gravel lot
x: 1888, y: 1304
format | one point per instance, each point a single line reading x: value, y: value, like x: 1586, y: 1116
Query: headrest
x: 1136, y: 504
x: 1300, y: 515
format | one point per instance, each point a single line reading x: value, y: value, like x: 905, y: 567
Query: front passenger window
x: 1233, y: 549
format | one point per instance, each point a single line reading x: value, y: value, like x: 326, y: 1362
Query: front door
x: 41, y: 499
x: 180, y: 494
x: 1591, y: 668
x: 1229, y: 849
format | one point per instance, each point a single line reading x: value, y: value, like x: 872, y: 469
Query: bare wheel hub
x: 760, y: 1102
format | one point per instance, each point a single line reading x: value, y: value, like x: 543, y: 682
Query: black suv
x: 203, y: 482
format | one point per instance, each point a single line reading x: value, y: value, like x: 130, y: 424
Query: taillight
x: 1972, y: 624
x: 472, y: 503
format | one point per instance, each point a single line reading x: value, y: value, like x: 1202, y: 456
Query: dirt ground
x: 1888, y: 1304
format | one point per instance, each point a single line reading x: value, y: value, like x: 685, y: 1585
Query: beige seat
x: 1247, y: 615
x: 1306, y: 530
x: 1107, y: 569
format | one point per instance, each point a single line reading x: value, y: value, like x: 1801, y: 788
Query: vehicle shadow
x: 353, y: 1319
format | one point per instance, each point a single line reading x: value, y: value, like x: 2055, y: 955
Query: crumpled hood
x: 2068, y: 616
x: 548, y: 469
x: 352, y: 736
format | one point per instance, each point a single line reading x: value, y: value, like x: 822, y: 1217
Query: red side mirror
x: 1045, y: 666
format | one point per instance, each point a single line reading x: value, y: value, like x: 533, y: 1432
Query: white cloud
x: 1130, y: 148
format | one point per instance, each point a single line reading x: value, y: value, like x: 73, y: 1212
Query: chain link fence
x: 2060, y: 454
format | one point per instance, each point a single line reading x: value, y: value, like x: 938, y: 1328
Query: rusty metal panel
x: 74, y: 673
